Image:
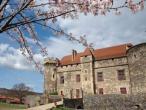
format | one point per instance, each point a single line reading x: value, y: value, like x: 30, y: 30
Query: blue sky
x: 14, y: 68
x: 9, y: 77
x: 103, y: 31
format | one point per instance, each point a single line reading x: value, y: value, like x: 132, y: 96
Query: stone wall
x: 111, y: 62
x: 85, y: 70
x: 111, y: 84
x: 87, y: 75
x: 67, y: 68
x: 137, y: 66
x: 109, y: 68
x: 70, y: 85
x: 50, y: 76
x: 73, y: 103
x: 133, y: 64
x: 115, y: 102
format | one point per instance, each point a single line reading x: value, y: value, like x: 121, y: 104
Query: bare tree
x: 19, y: 18
x: 21, y: 90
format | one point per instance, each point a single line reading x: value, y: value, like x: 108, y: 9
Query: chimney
x: 74, y: 53
x: 58, y: 62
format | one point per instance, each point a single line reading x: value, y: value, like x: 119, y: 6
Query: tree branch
x: 32, y: 21
x: 3, y: 5
x: 13, y: 15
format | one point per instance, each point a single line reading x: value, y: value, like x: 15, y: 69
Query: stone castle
x: 119, y: 69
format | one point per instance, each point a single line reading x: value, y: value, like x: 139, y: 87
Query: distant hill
x: 11, y: 93
x: 3, y: 91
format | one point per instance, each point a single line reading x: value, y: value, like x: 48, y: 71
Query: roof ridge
x: 113, y: 46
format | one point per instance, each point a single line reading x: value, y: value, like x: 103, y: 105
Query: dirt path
x: 46, y: 107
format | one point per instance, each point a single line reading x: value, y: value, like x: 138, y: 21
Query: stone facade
x: 114, y: 70
x: 109, y: 68
x: 137, y: 67
x: 115, y: 102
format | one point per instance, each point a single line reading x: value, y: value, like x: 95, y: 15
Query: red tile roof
x: 11, y: 99
x: 66, y: 60
x: 99, y: 54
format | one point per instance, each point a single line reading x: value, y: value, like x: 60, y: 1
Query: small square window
x: 101, y: 91
x: 100, y: 76
x: 121, y: 75
x: 123, y: 90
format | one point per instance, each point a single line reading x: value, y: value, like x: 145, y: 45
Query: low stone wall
x: 54, y: 98
x: 73, y: 103
x: 115, y: 102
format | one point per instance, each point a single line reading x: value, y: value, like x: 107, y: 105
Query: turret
x: 50, y: 84
x: 137, y: 67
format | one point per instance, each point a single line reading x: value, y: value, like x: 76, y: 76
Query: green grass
x: 62, y: 108
x: 54, y: 93
x: 5, y: 106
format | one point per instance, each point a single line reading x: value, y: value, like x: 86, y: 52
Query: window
x: 100, y: 76
x: 62, y: 80
x: 134, y: 56
x: 71, y: 93
x: 121, y: 75
x: 101, y: 91
x: 53, y: 76
x: 123, y: 90
x: 77, y: 93
x: 61, y: 93
x: 78, y: 78
x: 86, y: 70
x: 85, y: 78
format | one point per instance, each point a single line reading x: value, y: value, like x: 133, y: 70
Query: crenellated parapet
x: 49, y: 61
x: 75, y: 67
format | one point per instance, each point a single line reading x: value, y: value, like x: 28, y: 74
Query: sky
x: 102, y: 31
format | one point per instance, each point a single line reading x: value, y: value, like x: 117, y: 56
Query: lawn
x: 5, y: 106
x: 62, y: 108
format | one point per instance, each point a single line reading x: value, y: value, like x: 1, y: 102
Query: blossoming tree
x: 19, y: 18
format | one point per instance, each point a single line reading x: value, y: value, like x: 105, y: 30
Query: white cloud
x: 12, y: 57
x: 103, y: 31
x: 58, y: 47
x: 110, y: 29
x: 3, y: 47
x: 30, y: 85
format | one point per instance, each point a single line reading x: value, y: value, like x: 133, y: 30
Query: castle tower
x: 50, y: 84
x: 87, y: 74
x: 137, y: 67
